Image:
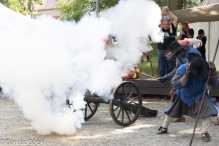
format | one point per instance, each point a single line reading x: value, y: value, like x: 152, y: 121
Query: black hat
x: 199, y: 67
x: 174, y: 47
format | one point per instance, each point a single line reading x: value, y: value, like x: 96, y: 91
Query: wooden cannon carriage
x: 125, y: 106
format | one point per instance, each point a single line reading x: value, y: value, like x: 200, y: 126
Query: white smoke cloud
x: 42, y: 59
x: 131, y: 19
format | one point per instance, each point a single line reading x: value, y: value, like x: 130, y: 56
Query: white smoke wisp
x: 42, y: 59
x: 131, y: 19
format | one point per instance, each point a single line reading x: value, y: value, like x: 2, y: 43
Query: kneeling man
x: 189, y: 82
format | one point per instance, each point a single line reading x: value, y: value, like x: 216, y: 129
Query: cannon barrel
x: 94, y: 99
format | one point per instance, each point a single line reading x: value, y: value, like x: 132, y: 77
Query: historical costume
x: 181, y: 52
x: 189, y: 82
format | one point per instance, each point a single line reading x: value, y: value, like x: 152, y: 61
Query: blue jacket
x: 194, y: 89
x: 189, y: 50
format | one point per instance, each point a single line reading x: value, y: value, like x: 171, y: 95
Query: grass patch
x: 145, y: 66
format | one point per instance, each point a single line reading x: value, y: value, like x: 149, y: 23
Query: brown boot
x: 182, y: 119
x: 162, y: 130
x: 217, y: 122
x: 206, y: 137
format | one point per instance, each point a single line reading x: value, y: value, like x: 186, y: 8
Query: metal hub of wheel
x: 126, y: 105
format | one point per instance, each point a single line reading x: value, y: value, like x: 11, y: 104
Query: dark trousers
x: 165, y: 65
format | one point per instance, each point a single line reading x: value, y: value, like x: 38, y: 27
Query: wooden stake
x: 203, y: 96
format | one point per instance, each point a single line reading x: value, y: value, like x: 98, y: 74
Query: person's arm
x: 169, y: 76
x: 191, y: 33
x: 180, y: 80
x: 180, y: 35
x: 161, y: 27
x: 213, y: 77
x: 175, y: 19
x: 181, y: 59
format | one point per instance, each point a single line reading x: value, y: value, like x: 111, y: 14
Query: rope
x: 147, y: 75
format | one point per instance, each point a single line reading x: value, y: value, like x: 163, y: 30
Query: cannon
x: 125, y: 106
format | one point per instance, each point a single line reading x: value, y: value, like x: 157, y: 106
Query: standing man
x: 163, y: 47
x: 186, y: 32
x: 201, y: 36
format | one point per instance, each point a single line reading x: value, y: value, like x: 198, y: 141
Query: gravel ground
x: 101, y: 129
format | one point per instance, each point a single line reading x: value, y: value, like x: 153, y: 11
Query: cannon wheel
x: 90, y: 108
x: 127, y: 99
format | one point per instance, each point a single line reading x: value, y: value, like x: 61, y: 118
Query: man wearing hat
x: 181, y: 52
x: 189, y: 82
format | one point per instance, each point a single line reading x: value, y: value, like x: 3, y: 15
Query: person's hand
x: 161, y: 27
x: 188, y: 69
x: 187, y: 28
x: 211, y: 65
x: 200, y: 36
x: 213, y: 70
x: 162, y: 79
x: 182, y: 32
x: 184, y: 79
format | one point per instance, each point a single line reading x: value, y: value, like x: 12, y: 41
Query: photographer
x: 186, y: 32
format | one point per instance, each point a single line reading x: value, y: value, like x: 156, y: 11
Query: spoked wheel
x: 91, y: 107
x: 126, y: 105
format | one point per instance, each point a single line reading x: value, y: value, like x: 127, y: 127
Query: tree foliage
x: 19, y: 5
x: 76, y: 9
x: 191, y: 3
x: 186, y: 3
x: 162, y: 2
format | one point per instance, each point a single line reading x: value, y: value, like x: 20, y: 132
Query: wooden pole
x: 97, y: 7
x: 152, y: 73
x: 203, y: 96
x: 209, y: 40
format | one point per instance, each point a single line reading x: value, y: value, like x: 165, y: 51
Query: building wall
x: 52, y: 12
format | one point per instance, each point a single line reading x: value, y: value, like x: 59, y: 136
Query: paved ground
x: 101, y: 130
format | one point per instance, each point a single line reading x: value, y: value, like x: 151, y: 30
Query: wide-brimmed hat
x: 174, y: 47
x: 199, y: 67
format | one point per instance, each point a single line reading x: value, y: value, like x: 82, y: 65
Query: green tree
x: 184, y: 4
x: 162, y: 2
x: 19, y: 5
x: 76, y: 9
x: 191, y: 3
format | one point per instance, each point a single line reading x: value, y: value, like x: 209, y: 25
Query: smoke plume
x: 43, y: 59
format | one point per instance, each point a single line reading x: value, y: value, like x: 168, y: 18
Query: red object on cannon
x: 132, y: 74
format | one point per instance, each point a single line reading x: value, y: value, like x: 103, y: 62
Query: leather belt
x: 163, y: 50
